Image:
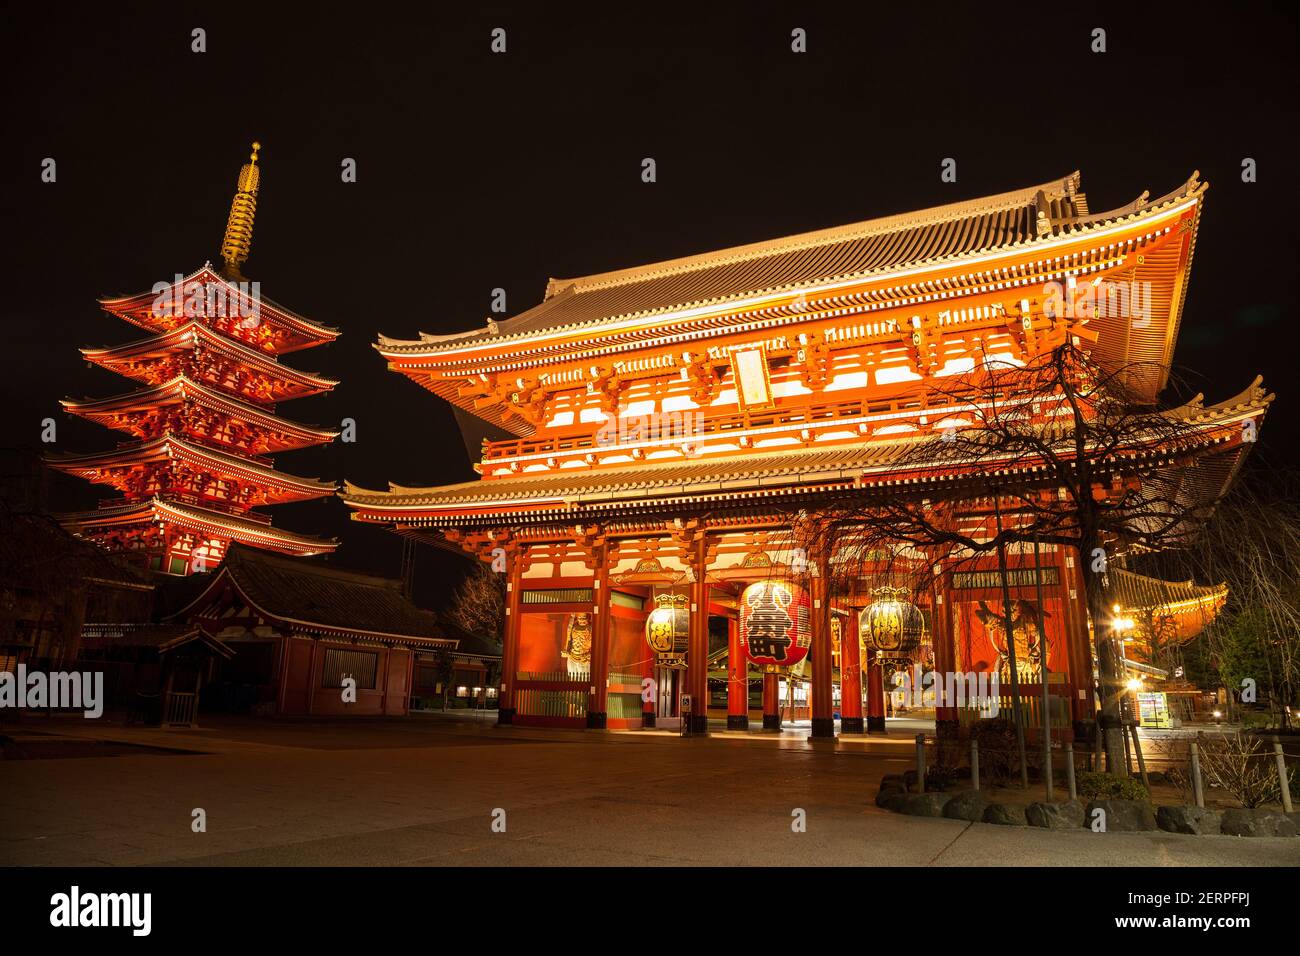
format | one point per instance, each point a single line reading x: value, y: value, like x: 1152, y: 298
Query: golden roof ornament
x: 239, y: 227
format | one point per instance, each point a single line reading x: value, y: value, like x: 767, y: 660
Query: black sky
x: 478, y: 170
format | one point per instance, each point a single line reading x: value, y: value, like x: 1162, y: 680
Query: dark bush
x: 1105, y: 786
x: 940, y: 777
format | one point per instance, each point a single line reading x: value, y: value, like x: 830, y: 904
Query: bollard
x: 1137, y: 749
x: 1197, y: 789
x: 920, y: 763
x: 1048, y: 783
x: 1069, y: 770
x: 1282, y: 781
x: 975, y: 763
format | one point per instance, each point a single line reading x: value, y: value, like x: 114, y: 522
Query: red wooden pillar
x: 598, y: 699
x: 510, y: 642
x: 823, y: 666
x: 737, y: 679
x: 771, y: 700
x: 851, y: 678
x: 1079, y: 645
x: 875, y: 694
x: 698, y: 649
x: 945, y: 655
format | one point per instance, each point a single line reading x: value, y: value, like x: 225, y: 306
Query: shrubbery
x: 939, y: 778
x: 1093, y: 785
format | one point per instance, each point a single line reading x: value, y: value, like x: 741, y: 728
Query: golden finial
x: 239, y: 227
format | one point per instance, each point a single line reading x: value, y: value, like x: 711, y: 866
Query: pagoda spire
x: 239, y: 227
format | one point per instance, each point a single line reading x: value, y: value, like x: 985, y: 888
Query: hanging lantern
x: 775, y: 623
x: 667, y: 629
x: 891, y: 625
x: 577, y: 639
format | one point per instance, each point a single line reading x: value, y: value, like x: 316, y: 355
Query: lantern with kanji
x: 891, y: 625
x: 775, y: 623
x: 667, y: 629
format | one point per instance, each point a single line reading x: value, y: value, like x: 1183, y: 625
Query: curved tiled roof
x: 761, y: 474
x: 181, y: 387
x: 169, y: 444
x: 1013, y: 219
x: 130, y: 307
x: 308, y: 593
x: 179, y: 338
x: 211, y: 523
x: 1138, y: 592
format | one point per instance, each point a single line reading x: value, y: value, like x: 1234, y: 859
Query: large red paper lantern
x: 775, y: 623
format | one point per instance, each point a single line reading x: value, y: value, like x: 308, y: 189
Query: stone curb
x: 1129, y: 816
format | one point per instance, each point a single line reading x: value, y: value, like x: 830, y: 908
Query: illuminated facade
x: 203, y: 419
x: 682, y: 428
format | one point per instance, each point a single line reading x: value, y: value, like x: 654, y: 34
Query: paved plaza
x: 425, y: 790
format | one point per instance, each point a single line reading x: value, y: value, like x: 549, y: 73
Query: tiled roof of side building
x: 306, y: 591
x: 467, y: 642
x: 1134, y: 591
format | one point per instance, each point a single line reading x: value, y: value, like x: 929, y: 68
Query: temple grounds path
x: 422, y: 792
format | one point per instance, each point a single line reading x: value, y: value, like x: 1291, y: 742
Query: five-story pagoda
x: 203, y: 420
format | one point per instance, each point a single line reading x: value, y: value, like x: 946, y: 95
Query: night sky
x: 477, y: 170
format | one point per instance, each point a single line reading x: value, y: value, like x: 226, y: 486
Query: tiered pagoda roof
x: 176, y: 460
x: 183, y: 399
x: 205, y: 420
x: 278, y: 330
x: 197, y: 350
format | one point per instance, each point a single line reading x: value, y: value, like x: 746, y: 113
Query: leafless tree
x: 1241, y: 765
x: 478, y: 606
x: 1061, y: 448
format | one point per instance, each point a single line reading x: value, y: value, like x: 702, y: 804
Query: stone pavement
x: 423, y: 790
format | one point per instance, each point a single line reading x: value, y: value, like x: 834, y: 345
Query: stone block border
x: 1109, y: 816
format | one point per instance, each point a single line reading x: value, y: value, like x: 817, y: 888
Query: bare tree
x: 1060, y: 448
x: 478, y: 605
